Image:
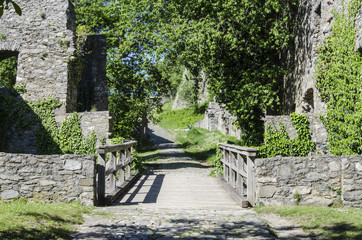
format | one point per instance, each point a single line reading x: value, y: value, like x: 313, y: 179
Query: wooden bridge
x: 176, y: 179
x: 176, y: 197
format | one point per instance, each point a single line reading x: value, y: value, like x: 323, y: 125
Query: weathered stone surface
x: 43, y: 39
x: 49, y: 177
x: 318, y: 132
x: 352, y: 181
x: 317, y: 180
x: 72, y: 165
x: 41, y: 42
x: 217, y: 118
x: 267, y: 191
x: 9, y: 194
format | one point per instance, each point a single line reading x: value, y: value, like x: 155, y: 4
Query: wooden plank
x: 240, y: 148
x: 250, y: 181
x: 122, y: 189
x: 122, y: 158
x: 239, y: 177
x: 112, y: 176
x: 101, y: 184
x: 115, y: 147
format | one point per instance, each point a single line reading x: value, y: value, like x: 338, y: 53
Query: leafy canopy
x: 236, y: 43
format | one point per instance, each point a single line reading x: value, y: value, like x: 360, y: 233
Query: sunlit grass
x: 332, y: 223
x: 20, y: 219
x: 199, y: 143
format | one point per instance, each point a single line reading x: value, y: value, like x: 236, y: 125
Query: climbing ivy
x: 20, y: 115
x: 8, y: 72
x: 339, y: 80
x: 278, y: 142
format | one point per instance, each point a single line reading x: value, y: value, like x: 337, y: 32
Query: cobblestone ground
x: 143, y: 223
x: 175, y: 199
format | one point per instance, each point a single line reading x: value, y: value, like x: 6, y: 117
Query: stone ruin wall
x: 318, y: 180
x: 319, y: 134
x: 313, y: 25
x: 44, y: 40
x: 217, y: 118
x: 49, y: 178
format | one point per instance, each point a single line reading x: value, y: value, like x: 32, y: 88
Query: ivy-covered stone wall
x: 323, y: 180
x: 313, y: 22
x: 49, y: 178
x: 319, y: 134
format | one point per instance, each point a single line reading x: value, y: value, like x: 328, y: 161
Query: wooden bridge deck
x: 176, y: 181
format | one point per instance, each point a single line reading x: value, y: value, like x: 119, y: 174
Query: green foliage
x: 4, y: 5
x: 236, y: 43
x: 20, y: 115
x: 47, y: 133
x: 279, y: 143
x: 339, y: 81
x: 8, y: 69
x: 135, y: 81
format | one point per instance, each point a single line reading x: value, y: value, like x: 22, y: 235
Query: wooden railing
x: 238, y: 169
x: 114, y: 174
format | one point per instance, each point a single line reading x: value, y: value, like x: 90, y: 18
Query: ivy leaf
x: 17, y: 8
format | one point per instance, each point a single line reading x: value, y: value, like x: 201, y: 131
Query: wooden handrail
x: 238, y: 168
x: 119, y: 162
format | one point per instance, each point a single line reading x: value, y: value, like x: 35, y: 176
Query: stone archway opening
x: 308, y: 101
x: 8, y: 68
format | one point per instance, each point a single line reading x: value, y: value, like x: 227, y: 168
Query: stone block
x: 267, y: 180
x: 47, y: 183
x: 267, y: 191
x: 359, y: 167
x: 302, y: 190
x: 9, y: 194
x: 72, y: 165
x: 86, y: 182
x: 334, y: 166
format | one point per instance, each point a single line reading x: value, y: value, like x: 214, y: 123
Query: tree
x: 237, y: 43
x: 4, y: 4
x: 135, y: 82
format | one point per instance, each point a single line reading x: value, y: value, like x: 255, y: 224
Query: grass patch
x: 179, y: 119
x: 20, y: 219
x: 331, y: 223
x: 198, y: 143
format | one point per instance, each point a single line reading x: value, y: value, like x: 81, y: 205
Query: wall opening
x: 308, y: 101
x: 8, y: 68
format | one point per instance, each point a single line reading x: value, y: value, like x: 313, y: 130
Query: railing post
x: 122, y: 157
x: 231, y: 170
x: 112, y: 176
x: 128, y: 159
x: 226, y: 168
x: 251, y: 181
x: 101, y: 169
x: 239, y: 180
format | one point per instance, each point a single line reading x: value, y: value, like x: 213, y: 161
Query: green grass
x: 179, y: 119
x: 331, y: 223
x: 198, y: 143
x: 20, y: 219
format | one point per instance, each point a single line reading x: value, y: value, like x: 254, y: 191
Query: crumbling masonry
x: 44, y: 40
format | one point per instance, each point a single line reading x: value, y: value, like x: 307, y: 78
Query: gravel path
x: 175, y: 199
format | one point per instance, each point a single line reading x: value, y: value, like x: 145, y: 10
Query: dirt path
x: 176, y: 199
